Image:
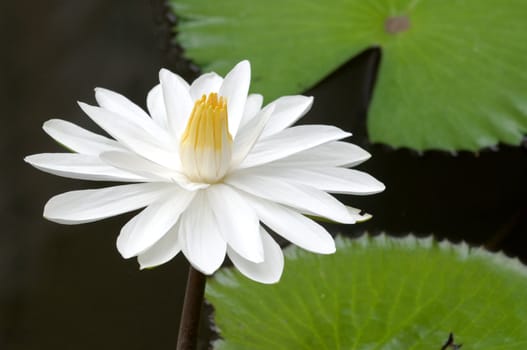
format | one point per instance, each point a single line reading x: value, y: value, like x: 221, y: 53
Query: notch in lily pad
x: 452, y: 73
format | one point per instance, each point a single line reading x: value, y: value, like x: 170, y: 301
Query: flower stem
x: 189, y: 324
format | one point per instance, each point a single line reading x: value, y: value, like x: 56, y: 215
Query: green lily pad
x: 377, y: 293
x: 452, y: 75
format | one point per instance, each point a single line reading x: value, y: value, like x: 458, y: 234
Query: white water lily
x: 210, y: 165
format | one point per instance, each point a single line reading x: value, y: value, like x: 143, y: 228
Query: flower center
x: 206, y: 145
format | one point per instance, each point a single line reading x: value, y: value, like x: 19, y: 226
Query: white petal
x: 293, y: 226
x: 162, y: 251
x: 237, y: 222
x: 78, y: 207
x: 248, y: 135
x: 288, y: 109
x: 78, y: 139
x: 330, y: 154
x: 134, y: 136
x: 149, y: 170
x: 80, y: 166
x: 188, y: 185
x: 147, y: 227
x: 270, y: 270
x: 291, y: 141
x: 178, y: 102
x: 359, y: 214
x: 252, y: 107
x: 118, y: 104
x: 200, y: 238
x: 156, y: 106
x: 302, y: 197
x: 204, y: 85
x: 333, y: 180
x: 138, y: 165
x: 235, y: 88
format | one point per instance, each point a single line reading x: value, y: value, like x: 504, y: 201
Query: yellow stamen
x: 208, y: 122
x: 206, y: 145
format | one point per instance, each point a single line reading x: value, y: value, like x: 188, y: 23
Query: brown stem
x: 189, y: 325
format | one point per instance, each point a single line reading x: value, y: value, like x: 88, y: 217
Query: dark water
x: 66, y: 287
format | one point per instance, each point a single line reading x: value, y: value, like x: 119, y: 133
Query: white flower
x: 209, y: 164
